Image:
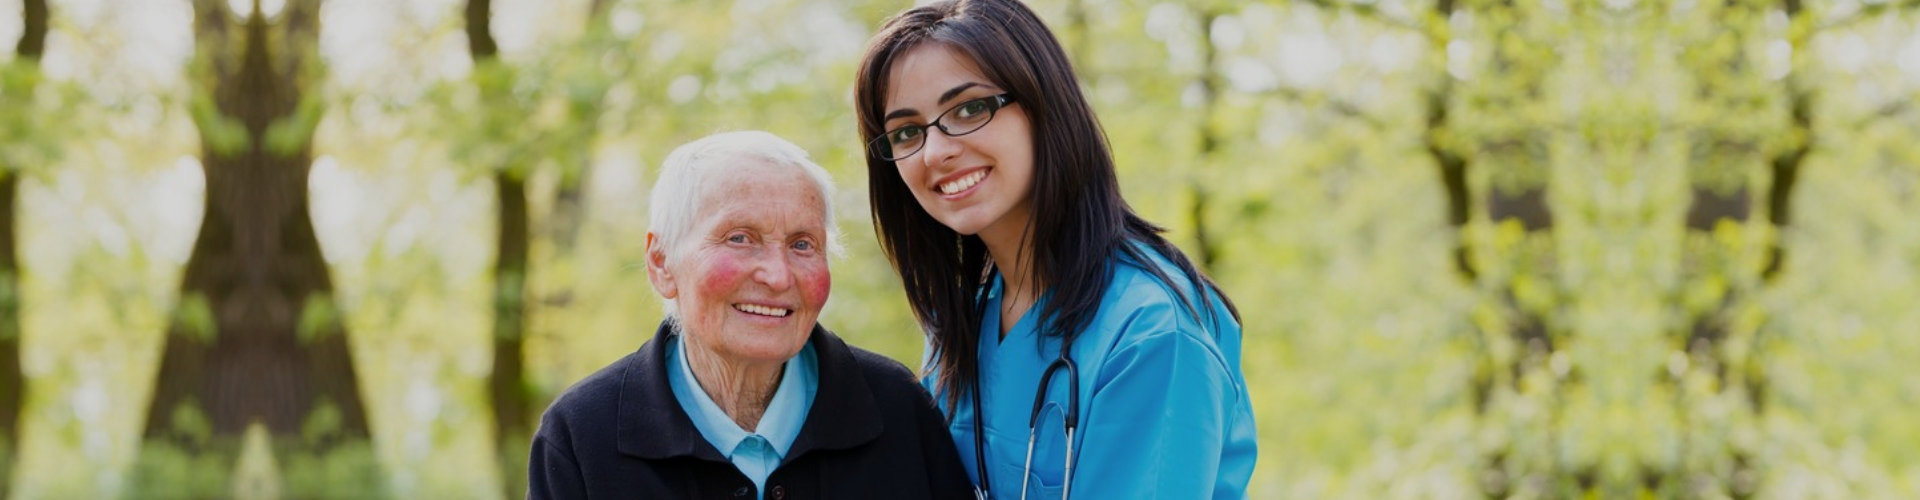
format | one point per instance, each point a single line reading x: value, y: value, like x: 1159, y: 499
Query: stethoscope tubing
x: 1071, y: 423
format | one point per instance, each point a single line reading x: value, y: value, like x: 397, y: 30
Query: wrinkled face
x: 977, y: 183
x: 750, y: 275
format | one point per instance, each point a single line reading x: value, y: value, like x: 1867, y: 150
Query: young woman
x: 1075, y: 350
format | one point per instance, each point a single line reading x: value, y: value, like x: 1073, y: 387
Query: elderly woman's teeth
x: 962, y: 183
x: 762, y: 310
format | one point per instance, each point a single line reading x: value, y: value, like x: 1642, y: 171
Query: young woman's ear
x: 657, y: 272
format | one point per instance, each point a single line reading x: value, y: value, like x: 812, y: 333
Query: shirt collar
x: 653, y: 426
x: 779, y: 425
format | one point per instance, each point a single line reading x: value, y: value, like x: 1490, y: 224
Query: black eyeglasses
x: 962, y: 119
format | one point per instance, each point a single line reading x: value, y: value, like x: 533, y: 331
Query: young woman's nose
x: 940, y: 148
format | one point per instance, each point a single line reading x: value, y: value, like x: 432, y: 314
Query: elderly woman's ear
x: 657, y: 268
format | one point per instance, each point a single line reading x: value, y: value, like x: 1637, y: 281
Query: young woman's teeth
x: 762, y: 310
x: 962, y: 183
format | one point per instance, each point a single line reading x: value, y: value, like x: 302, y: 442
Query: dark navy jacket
x: 873, y: 432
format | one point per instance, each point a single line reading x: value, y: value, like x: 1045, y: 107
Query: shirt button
x: 779, y: 492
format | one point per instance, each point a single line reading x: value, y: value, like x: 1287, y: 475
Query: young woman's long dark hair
x: 1079, y: 219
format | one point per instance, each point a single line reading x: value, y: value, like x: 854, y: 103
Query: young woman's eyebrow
x: 955, y: 91
x: 944, y: 97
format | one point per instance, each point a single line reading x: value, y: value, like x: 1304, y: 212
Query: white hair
x: 684, y: 174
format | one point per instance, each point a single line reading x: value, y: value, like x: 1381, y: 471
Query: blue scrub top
x: 1164, y: 411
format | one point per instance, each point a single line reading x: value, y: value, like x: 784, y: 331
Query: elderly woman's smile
x: 761, y: 310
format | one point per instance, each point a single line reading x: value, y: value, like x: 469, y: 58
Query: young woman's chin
x: 970, y: 221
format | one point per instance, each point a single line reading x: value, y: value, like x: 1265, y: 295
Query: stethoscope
x: 1033, y: 421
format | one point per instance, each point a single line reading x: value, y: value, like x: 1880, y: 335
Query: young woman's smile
x: 960, y: 184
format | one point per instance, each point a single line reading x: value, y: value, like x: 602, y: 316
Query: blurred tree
x: 17, y: 79
x: 575, y: 81
x: 507, y: 385
x: 1615, y: 179
x: 257, y: 346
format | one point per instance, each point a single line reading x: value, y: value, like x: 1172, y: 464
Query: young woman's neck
x: 1012, y: 253
x: 742, y: 390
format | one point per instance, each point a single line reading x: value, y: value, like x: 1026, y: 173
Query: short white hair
x: 684, y: 174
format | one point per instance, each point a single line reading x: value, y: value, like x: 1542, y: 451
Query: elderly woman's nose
x: 774, y: 271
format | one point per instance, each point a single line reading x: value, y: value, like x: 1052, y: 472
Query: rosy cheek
x: 815, y: 283
x: 722, y: 274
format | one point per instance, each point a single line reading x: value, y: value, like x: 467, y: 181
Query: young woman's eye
x: 904, y: 135
x: 971, y: 109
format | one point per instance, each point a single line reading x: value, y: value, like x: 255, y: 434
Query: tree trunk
x: 570, y: 205
x: 13, y: 382
x: 257, y: 340
x: 1786, y: 166
x: 1453, y: 176
x: 507, y: 384
x: 1209, y: 143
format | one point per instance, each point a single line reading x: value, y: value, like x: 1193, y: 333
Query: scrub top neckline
x: 1023, y: 328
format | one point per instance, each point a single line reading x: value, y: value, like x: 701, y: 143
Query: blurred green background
x: 1483, y: 248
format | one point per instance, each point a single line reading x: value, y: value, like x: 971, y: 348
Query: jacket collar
x: 652, y: 425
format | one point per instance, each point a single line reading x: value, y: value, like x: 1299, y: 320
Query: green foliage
x: 348, y: 470
x: 322, y: 426
x: 291, y: 135
x: 193, y: 316
x: 9, y: 304
x: 318, y: 318
x: 32, y: 128
x: 167, y: 471
x: 193, y: 462
x: 222, y: 134
x: 191, y: 424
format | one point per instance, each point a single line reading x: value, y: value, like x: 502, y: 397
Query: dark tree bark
x: 507, y: 384
x: 1786, y: 167
x: 257, y: 338
x: 1205, y: 251
x: 13, y: 382
x: 1453, y: 175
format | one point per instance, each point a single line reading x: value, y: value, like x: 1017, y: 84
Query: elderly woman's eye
x: 803, y: 245
x: 737, y: 238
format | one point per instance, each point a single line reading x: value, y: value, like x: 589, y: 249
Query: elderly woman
x: 741, y: 393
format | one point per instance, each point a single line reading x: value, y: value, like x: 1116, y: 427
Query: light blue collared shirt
x: 756, y: 454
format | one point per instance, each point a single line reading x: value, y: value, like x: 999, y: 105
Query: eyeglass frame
x: 996, y: 102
